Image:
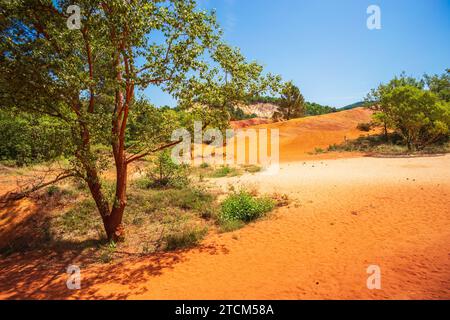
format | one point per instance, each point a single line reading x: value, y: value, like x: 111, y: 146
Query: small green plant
x: 204, y: 165
x: 81, y: 219
x: 245, y: 207
x: 166, y: 173
x: 225, y: 171
x: 185, y: 238
x: 318, y: 150
x: 53, y: 190
x: 107, y: 252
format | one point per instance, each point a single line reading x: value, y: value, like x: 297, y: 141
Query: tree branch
x: 13, y: 196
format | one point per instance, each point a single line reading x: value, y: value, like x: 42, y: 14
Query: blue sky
x: 325, y: 47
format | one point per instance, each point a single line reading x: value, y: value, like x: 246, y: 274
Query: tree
x: 420, y: 116
x: 382, y: 113
x: 292, y: 103
x: 88, y: 78
x: 440, y: 85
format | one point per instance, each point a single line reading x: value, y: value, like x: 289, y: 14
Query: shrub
x: 364, y: 126
x: 245, y: 207
x: 185, y: 238
x: 166, y: 173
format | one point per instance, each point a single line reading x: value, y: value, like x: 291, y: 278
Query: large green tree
x: 420, y: 115
x: 87, y: 78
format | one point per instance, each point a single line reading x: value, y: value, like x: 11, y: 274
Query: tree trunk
x: 386, y: 137
x: 114, y: 229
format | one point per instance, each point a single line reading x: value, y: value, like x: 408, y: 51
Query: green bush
x: 27, y: 139
x: 166, y: 173
x: 245, y: 207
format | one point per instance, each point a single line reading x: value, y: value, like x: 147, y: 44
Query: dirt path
x: 345, y: 215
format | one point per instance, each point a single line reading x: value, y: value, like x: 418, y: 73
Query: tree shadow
x: 33, y: 265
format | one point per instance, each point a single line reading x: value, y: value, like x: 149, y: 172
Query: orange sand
x: 345, y: 215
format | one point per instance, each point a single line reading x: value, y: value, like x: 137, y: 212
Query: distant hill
x: 354, y: 105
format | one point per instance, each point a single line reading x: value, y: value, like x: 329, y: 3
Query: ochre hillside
x: 299, y: 137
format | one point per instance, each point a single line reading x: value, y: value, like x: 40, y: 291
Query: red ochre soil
x: 344, y: 215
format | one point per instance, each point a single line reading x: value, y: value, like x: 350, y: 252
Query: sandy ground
x: 344, y: 215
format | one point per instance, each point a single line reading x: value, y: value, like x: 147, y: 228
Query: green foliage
x: 166, y: 173
x: 85, y: 81
x: 204, y: 165
x: 263, y: 99
x: 80, y: 220
x: 292, y: 103
x: 420, y: 116
x: 29, y: 139
x: 440, y: 85
x: 186, y: 238
x: 186, y: 199
x: 315, y: 109
x: 236, y: 113
x: 318, y: 150
x: 52, y: 190
x: 354, y: 105
x: 245, y: 207
x: 377, y: 144
x: 107, y: 252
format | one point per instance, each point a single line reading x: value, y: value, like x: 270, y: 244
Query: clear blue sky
x: 325, y: 47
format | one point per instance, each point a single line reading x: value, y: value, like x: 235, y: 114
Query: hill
x: 298, y: 137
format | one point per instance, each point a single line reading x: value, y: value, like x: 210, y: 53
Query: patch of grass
x: 107, y: 252
x: 204, y: 165
x: 185, y: 238
x: 224, y: 171
x: 187, y: 199
x: 81, y: 219
x: 230, y: 225
x: 245, y: 207
x: 319, y: 150
x: 252, y: 168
